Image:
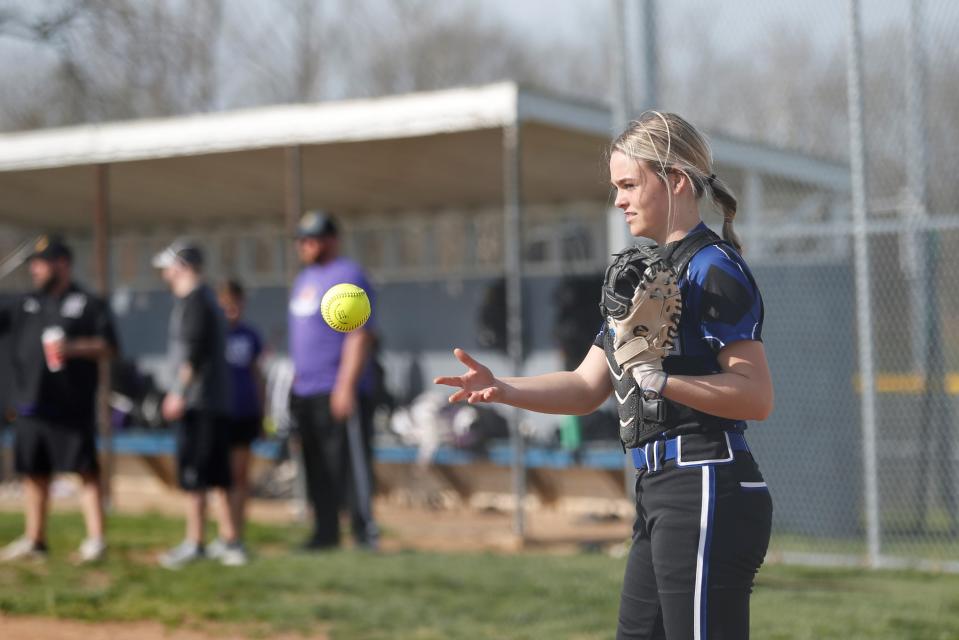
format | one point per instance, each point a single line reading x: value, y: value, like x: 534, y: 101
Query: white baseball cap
x: 182, y: 251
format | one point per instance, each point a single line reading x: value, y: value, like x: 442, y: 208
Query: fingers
x: 457, y: 381
x: 459, y: 396
x: 466, y: 359
x: 449, y: 381
x: 473, y: 397
x: 483, y: 395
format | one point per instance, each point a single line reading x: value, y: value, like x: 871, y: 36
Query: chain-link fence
x: 859, y: 468
x: 777, y: 73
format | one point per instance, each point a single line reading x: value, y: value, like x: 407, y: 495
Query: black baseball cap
x: 317, y: 223
x: 182, y: 251
x: 50, y: 247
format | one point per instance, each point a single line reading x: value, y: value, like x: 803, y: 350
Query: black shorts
x: 243, y: 431
x: 202, y: 451
x: 43, y: 447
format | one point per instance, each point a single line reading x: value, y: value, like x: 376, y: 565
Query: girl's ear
x: 678, y: 180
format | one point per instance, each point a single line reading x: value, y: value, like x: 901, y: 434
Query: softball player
x: 703, y: 510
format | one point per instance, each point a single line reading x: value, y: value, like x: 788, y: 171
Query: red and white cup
x: 53, y: 338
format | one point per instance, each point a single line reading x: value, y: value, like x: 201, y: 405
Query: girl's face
x: 642, y: 195
x: 232, y: 308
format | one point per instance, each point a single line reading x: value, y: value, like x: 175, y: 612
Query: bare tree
x: 417, y: 47
x: 289, y: 53
x: 116, y: 59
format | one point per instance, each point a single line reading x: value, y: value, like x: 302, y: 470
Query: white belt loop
x: 730, y: 454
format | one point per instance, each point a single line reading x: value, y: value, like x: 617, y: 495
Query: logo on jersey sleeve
x: 31, y: 305
x: 306, y: 302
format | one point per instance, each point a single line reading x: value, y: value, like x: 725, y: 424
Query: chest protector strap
x: 642, y: 419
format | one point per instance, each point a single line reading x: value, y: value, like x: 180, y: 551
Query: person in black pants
x: 333, y: 383
x: 198, y: 401
x: 58, y: 334
x: 703, y: 510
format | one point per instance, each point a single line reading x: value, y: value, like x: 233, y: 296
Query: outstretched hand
x: 476, y: 385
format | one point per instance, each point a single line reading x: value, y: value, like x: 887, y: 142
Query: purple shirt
x: 314, y: 347
x: 243, y: 347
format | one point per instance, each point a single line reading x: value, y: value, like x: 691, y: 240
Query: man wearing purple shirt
x: 330, y: 400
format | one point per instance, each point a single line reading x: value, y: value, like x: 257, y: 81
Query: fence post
x: 513, y: 253
x: 857, y: 162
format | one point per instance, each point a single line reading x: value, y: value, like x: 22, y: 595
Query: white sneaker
x: 233, y: 555
x: 23, y: 549
x: 181, y: 555
x: 92, y: 550
x: 215, y: 550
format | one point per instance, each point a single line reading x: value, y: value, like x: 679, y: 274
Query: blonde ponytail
x: 727, y: 204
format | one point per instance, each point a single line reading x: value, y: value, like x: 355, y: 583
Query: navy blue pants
x: 700, y: 536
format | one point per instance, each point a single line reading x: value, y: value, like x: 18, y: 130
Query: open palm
x: 476, y: 385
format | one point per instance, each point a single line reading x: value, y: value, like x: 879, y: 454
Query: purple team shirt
x: 243, y: 347
x: 314, y: 347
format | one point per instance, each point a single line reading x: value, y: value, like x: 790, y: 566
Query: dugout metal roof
x: 425, y: 150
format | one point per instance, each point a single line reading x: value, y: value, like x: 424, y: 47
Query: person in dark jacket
x: 59, y: 334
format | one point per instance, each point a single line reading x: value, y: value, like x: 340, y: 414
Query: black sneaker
x: 318, y: 544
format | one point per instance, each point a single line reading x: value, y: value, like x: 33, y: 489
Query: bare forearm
x: 727, y: 395
x: 356, y: 349
x: 561, y: 392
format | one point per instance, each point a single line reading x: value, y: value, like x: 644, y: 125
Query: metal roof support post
x: 293, y: 209
x: 857, y: 162
x: 101, y: 271
x: 513, y: 262
x: 293, y: 203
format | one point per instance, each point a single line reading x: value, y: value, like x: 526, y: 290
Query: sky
x: 736, y: 23
x: 731, y: 26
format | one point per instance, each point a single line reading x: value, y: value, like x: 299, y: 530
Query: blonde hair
x: 667, y: 142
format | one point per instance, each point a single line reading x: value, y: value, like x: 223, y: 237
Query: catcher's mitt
x: 642, y: 305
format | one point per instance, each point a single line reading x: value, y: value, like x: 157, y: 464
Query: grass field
x: 431, y: 595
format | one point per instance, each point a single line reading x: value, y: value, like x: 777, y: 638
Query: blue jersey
x: 721, y: 305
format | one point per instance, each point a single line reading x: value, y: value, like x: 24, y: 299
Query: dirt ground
x: 32, y: 628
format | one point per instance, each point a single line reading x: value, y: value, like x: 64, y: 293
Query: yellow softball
x: 345, y: 307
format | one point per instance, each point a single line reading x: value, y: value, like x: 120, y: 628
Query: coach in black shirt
x: 199, y: 401
x: 59, y: 333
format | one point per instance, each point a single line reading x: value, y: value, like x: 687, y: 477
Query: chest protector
x: 640, y: 418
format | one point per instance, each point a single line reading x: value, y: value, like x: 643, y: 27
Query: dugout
x: 442, y: 195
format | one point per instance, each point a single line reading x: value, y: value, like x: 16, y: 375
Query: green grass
x: 433, y: 595
x: 922, y: 546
